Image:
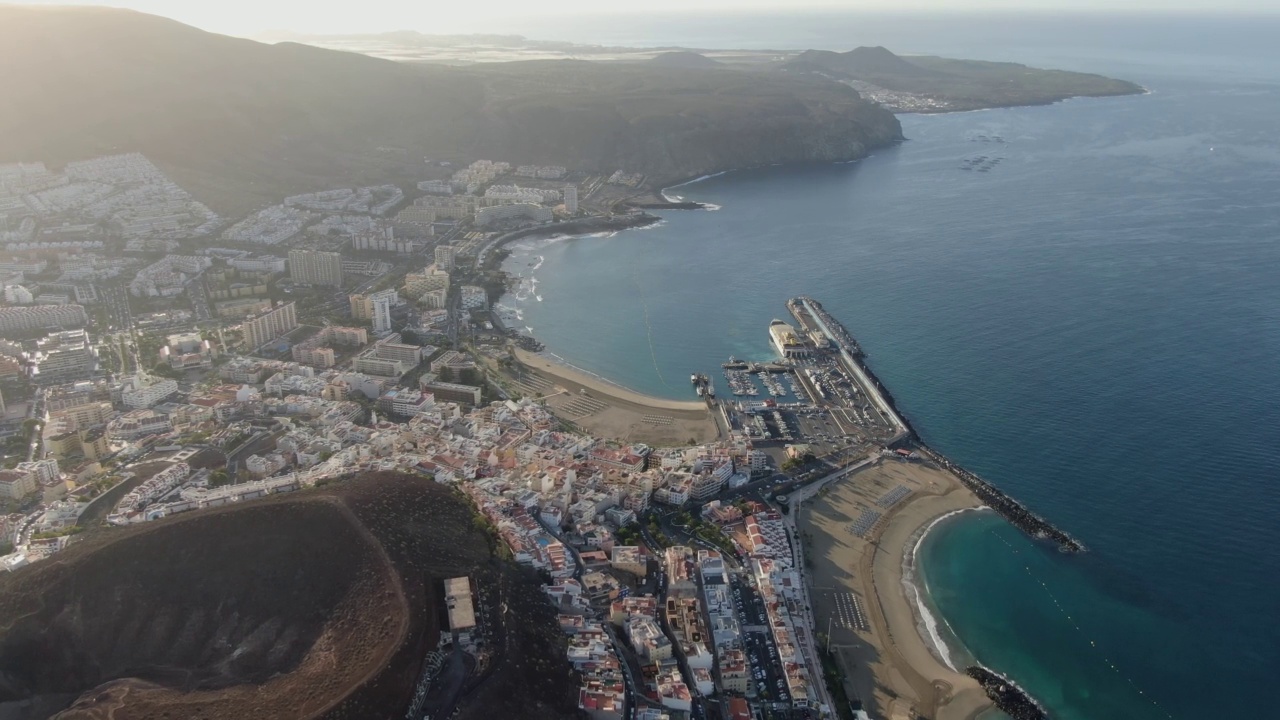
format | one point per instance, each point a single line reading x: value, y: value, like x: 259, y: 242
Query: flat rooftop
x: 462, y: 612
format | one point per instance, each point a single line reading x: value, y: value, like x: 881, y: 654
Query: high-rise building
x: 361, y: 307
x: 314, y: 267
x: 63, y: 357
x: 446, y: 255
x: 571, y: 199
x: 269, y: 325
x: 382, y: 313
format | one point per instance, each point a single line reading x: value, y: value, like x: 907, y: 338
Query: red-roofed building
x: 738, y: 709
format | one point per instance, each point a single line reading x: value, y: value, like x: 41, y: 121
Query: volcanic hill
x: 320, y: 604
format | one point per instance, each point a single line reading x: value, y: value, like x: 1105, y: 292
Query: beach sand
x: 857, y: 591
x: 611, y: 411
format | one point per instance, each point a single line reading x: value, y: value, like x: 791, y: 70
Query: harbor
x: 861, y: 486
x: 811, y: 315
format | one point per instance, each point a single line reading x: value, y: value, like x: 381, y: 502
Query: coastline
x: 915, y: 585
x: 565, y: 371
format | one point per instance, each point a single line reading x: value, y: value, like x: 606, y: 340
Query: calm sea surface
x: 1093, y: 325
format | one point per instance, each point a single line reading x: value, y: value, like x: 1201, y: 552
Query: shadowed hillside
x: 315, y: 605
x: 241, y: 123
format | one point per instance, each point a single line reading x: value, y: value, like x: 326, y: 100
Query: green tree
x: 165, y: 371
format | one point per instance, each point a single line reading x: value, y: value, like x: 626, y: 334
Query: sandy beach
x: 612, y: 411
x: 858, y: 591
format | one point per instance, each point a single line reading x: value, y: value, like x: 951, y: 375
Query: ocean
x: 1093, y: 325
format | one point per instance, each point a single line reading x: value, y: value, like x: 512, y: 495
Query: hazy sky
x: 245, y: 17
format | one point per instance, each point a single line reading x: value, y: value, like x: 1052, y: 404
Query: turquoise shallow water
x: 1093, y: 325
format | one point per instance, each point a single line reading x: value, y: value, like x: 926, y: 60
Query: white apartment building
x: 264, y: 264
x: 269, y: 325
x: 137, y: 392
x: 382, y: 303
x: 63, y: 357
x: 571, y: 199
x: 312, y: 267
x: 16, y: 484
x: 42, y: 316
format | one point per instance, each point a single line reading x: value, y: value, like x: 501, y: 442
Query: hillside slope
x: 240, y: 123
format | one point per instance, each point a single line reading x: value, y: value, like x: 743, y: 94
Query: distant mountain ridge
x: 241, y: 124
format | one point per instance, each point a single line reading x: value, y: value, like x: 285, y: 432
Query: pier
x: 811, y: 316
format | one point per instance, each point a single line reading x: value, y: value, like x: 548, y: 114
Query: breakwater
x: 1010, y: 509
x: 1011, y: 699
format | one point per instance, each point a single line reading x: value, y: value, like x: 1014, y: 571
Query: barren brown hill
x: 316, y: 605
